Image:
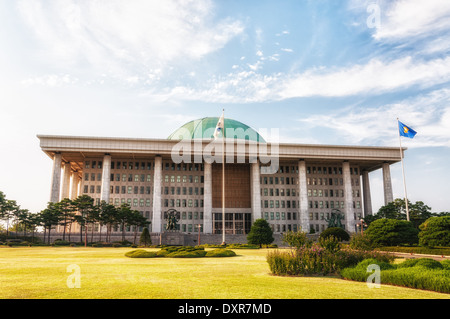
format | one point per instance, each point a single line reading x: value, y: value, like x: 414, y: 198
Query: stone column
x: 367, y: 199
x: 106, y: 178
x: 255, y: 184
x: 56, y: 178
x: 156, y: 220
x: 303, y: 197
x: 387, y: 184
x: 207, y: 198
x: 349, y: 210
x: 75, y: 185
x: 66, y: 181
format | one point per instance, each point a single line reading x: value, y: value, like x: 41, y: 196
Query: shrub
x: 220, y: 252
x: 181, y: 252
x: 60, y: 242
x: 360, y: 242
x: 408, y: 263
x: 429, y: 263
x: 296, y: 239
x: 336, y: 232
x: 187, y: 254
x: 392, y: 232
x: 140, y: 253
x: 330, y: 243
x: 423, y: 273
x: 446, y: 264
x: 435, y: 231
x: 317, y: 260
x: 241, y: 246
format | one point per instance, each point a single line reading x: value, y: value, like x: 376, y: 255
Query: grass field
x: 41, y: 273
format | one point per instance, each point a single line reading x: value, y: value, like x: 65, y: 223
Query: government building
x: 292, y: 186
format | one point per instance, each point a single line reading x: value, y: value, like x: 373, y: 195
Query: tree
x: 107, y: 216
x: 124, y: 216
x: 138, y: 220
x: 145, y: 239
x: 418, y: 212
x: 8, y: 209
x: 66, y: 209
x: 260, y: 233
x: 84, y: 204
x: 49, y: 217
x: 392, y: 232
x: 435, y: 231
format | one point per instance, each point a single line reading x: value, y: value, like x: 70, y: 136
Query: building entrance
x: 235, y: 223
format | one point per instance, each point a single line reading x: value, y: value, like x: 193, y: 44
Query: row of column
x: 61, y: 187
x: 255, y: 185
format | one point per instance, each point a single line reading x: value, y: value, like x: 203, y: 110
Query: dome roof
x: 204, y: 129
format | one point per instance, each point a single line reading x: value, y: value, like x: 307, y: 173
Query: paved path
x: 413, y: 255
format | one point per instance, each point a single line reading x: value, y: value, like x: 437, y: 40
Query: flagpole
x: 223, y: 179
x: 403, y: 170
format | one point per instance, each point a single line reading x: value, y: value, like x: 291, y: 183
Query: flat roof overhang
x: 75, y: 149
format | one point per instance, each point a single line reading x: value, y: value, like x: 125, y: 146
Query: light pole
x: 361, y: 224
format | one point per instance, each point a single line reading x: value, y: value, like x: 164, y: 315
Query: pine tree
x: 145, y: 239
x: 260, y: 233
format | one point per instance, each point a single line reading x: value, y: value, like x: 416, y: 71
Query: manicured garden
x: 106, y: 273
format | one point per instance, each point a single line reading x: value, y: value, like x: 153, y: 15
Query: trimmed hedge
x: 181, y: 252
x: 423, y: 273
x: 140, y: 253
x: 220, y: 252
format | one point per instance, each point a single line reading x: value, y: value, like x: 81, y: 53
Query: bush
x: 435, y: 231
x: 220, y: 252
x: 446, y: 264
x: 330, y: 243
x: 241, y: 246
x: 336, y: 232
x: 317, y: 260
x: 408, y: 263
x: 423, y: 273
x: 140, y: 253
x: 187, y: 254
x: 392, y: 232
x: 60, y: 242
x: 360, y: 242
x: 429, y: 263
x: 181, y: 252
x: 296, y: 239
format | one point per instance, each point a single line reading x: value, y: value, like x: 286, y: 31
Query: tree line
x: 82, y: 211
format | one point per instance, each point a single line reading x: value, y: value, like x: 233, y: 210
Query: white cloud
x: 428, y: 114
x: 286, y: 50
x: 51, y: 80
x: 114, y: 36
x: 373, y: 77
x: 412, y: 18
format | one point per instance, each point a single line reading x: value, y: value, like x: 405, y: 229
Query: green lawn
x: 41, y: 272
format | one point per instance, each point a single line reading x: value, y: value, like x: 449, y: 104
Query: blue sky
x: 323, y: 72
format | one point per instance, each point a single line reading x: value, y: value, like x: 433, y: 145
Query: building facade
x: 292, y: 186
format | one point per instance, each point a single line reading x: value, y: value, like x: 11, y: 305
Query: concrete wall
x: 167, y: 238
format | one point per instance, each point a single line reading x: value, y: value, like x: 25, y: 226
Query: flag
x: 405, y: 130
x: 219, y: 127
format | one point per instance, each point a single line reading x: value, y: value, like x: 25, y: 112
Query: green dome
x: 204, y: 129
